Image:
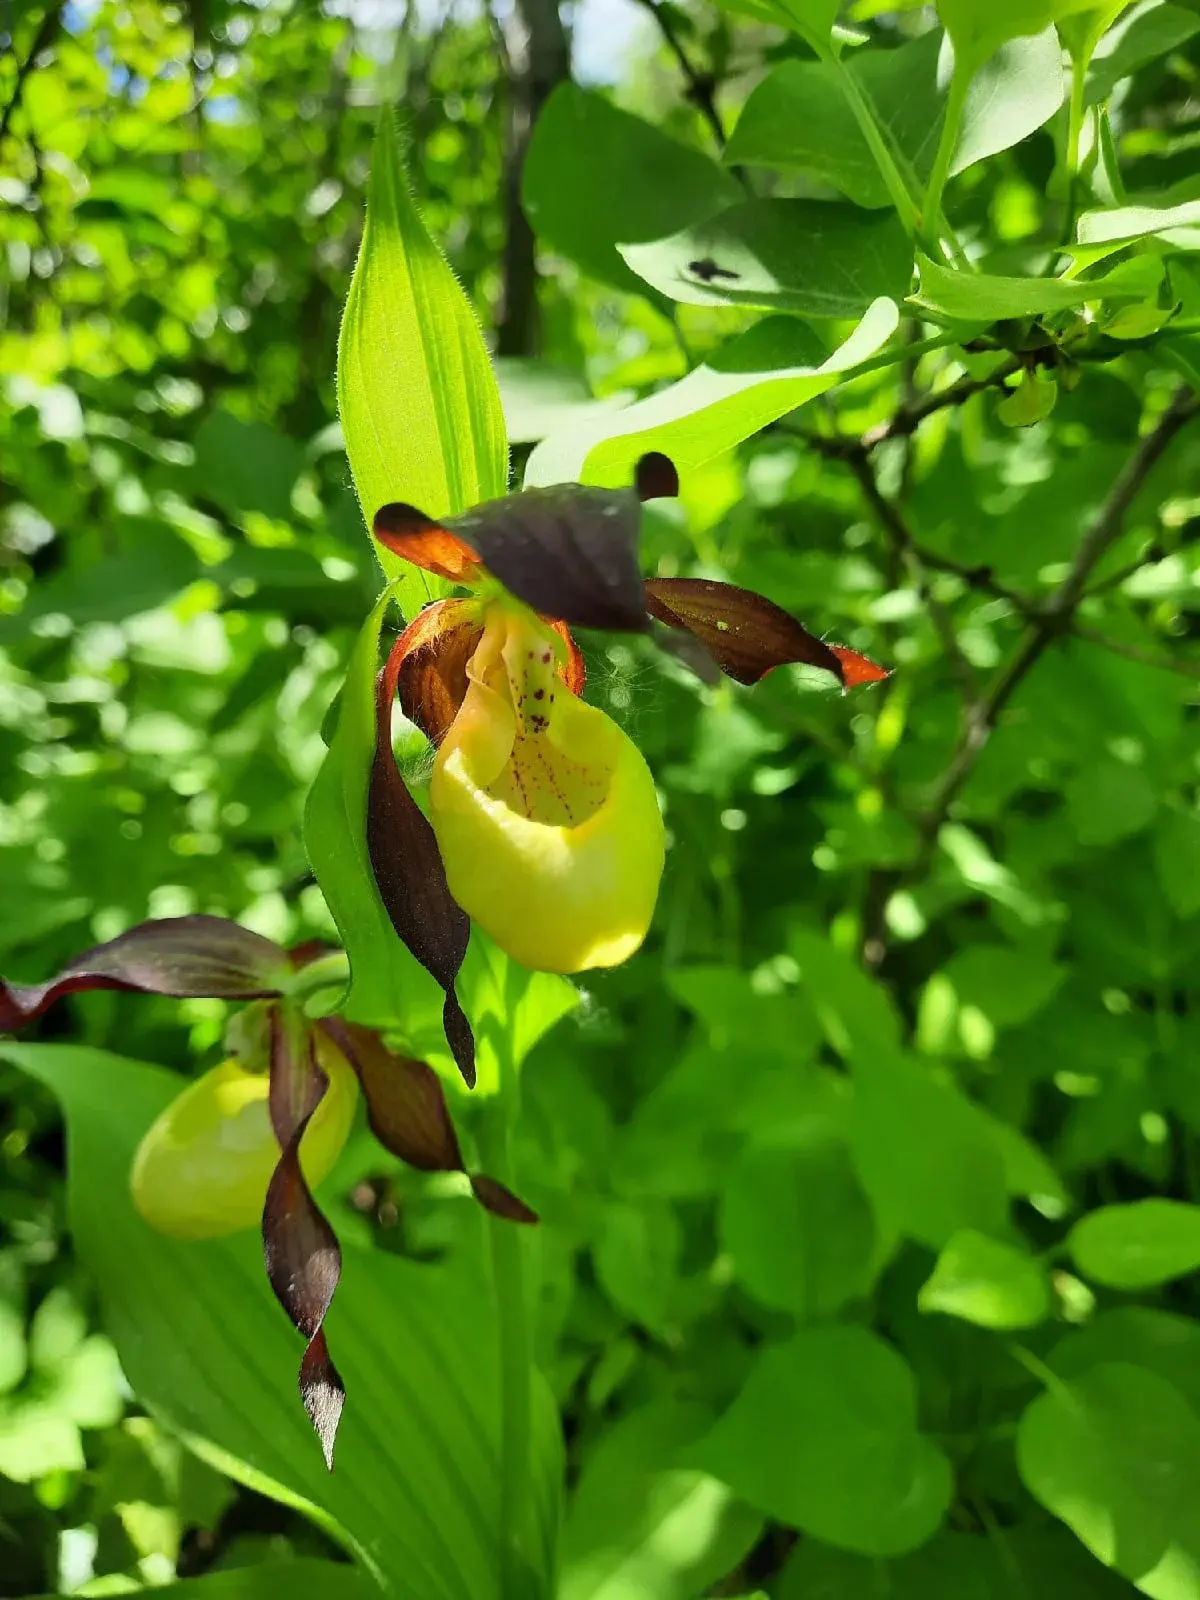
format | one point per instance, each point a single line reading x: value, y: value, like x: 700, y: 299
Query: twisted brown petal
x: 433, y: 652
x: 186, y: 957
x: 409, y: 873
x: 408, y: 1114
x: 745, y: 633
x: 303, y: 1260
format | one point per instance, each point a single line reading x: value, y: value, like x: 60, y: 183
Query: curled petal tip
x: 413, y: 536
x: 500, y: 1201
x: 858, y: 669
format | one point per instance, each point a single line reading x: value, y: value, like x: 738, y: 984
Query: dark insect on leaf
x: 706, y: 269
x: 301, y: 1251
x: 745, y: 633
x: 411, y: 879
x: 408, y: 1114
x: 570, y: 552
x: 185, y: 957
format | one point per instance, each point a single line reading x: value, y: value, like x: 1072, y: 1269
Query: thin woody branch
x: 701, y: 86
x: 1057, y: 613
x: 1050, y: 621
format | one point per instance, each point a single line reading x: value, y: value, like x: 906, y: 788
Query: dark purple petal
x: 408, y: 1114
x: 302, y: 1256
x: 411, y: 879
x: 501, y: 1202
x: 185, y: 957
x: 569, y: 551
x: 406, y: 1106
x: 745, y: 633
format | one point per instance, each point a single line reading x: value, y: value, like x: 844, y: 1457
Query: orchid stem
x: 931, y: 210
x: 325, y: 972
x: 516, y: 1360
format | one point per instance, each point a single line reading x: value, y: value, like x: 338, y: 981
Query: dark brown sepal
x: 406, y: 1106
x: 301, y: 1250
x: 570, y: 552
x: 410, y: 877
x: 501, y: 1202
x: 745, y: 633
x: 184, y: 957
x: 655, y: 477
x: 408, y: 1114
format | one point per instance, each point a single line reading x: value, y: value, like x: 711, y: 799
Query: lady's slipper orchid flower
x: 205, y: 1165
x: 244, y: 1143
x: 543, y: 823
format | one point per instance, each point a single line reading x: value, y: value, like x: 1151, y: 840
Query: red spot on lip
x: 538, y: 694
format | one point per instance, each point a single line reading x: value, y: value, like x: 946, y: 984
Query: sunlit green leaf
x: 823, y: 1437
x: 809, y: 256
x: 205, y: 1346
x: 418, y: 401
x: 756, y: 378
x: 987, y: 1282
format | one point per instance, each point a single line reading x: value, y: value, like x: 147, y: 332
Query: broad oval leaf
x: 641, y: 1525
x: 1137, y: 1246
x: 596, y: 177
x: 978, y: 29
x: 812, y: 256
x: 798, y: 117
x: 987, y: 1282
x: 1116, y: 1454
x: 823, y: 1437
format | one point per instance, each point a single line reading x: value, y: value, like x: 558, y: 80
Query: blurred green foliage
x: 892, y: 1131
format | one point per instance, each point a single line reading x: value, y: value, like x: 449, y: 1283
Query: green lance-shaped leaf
x: 415, y: 1496
x: 980, y: 297
x: 418, y: 400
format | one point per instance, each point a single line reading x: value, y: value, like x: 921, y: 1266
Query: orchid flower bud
x: 202, y: 1169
